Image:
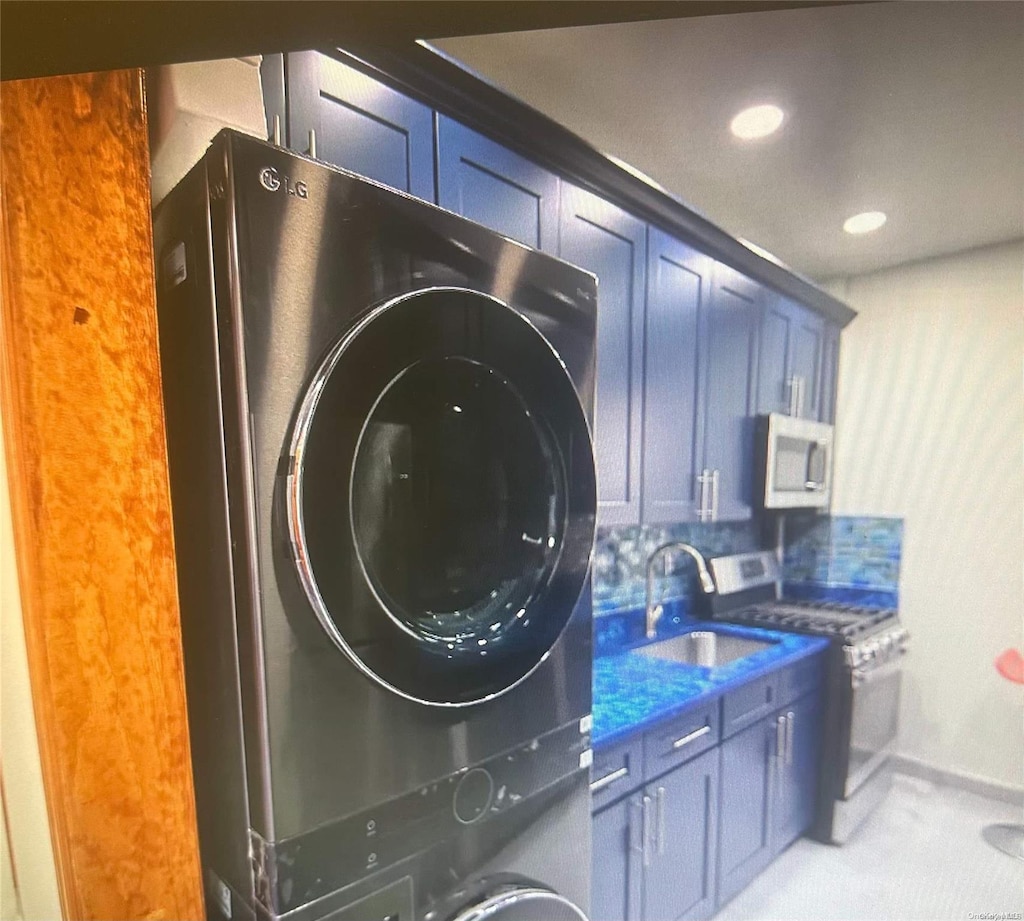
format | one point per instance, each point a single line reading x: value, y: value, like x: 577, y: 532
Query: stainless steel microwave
x: 795, y: 462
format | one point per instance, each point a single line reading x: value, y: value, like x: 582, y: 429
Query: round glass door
x: 442, y: 501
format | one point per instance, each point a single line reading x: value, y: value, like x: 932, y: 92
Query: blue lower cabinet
x: 746, y: 815
x: 679, y: 881
x: 798, y: 769
x: 617, y: 887
x: 685, y: 822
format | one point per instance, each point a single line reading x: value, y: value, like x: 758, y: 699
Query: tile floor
x: 920, y: 856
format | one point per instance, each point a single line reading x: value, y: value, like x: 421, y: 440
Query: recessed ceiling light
x: 757, y: 122
x: 864, y: 222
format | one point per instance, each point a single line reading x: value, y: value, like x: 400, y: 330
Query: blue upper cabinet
x: 793, y: 355
x: 677, y: 293
x: 359, y: 124
x: 808, y: 354
x: 728, y: 433
x: 830, y: 374
x: 490, y: 184
x: 607, y: 241
x: 775, y: 391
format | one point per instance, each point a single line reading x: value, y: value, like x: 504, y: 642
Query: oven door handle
x: 861, y: 675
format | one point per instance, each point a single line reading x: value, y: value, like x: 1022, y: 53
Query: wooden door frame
x: 86, y: 456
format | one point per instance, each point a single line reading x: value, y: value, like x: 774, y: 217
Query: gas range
x: 862, y: 693
x: 871, y: 637
x: 848, y: 621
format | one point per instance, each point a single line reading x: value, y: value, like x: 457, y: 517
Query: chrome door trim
x: 293, y: 488
x: 494, y: 904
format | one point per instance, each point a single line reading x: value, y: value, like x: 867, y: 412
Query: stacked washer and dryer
x: 378, y: 418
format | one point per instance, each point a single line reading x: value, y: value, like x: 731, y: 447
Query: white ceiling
x: 914, y: 109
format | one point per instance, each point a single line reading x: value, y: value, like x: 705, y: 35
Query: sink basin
x: 704, y: 648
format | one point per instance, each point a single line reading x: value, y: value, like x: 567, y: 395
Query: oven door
x: 873, y: 722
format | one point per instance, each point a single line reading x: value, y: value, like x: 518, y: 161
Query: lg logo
x: 271, y: 180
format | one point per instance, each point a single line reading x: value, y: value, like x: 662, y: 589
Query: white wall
x: 188, y: 105
x: 930, y: 428
x: 30, y: 857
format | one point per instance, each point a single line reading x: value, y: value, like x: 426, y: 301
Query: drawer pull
x: 690, y: 737
x: 608, y: 779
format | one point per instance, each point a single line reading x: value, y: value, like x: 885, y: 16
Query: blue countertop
x: 633, y: 692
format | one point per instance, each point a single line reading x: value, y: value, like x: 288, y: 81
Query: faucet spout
x: 707, y: 583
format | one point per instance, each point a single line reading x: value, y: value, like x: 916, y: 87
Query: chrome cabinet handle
x: 646, y: 831
x: 793, y: 385
x: 702, y: 494
x: 691, y: 737
x: 790, y: 717
x: 312, y: 143
x: 780, y: 737
x: 801, y: 386
x: 660, y: 796
x: 714, y: 495
x: 608, y: 779
x: 638, y: 806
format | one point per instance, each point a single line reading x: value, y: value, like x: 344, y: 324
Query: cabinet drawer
x: 681, y: 738
x: 749, y: 703
x: 616, y: 771
x: 800, y: 679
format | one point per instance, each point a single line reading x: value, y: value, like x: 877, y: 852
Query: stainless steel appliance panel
x: 794, y: 462
x: 874, y: 723
x: 265, y: 260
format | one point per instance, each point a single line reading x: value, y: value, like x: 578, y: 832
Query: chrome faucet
x: 707, y: 584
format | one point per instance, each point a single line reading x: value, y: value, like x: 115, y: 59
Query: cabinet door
x: 732, y: 325
x: 830, y: 373
x: 798, y: 769
x: 490, y: 184
x: 746, y: 815
x: 677, y: 291
x: 808, y: 347
x: 617, y: 869
x: 791, y: 361
x: 774, y: 375
x: 680, y: 878
x: 612, y: 244
x: 361, y: 125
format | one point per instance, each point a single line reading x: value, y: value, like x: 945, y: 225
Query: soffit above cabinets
x: 913, y: 109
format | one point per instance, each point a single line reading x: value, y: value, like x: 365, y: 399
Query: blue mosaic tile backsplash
x: 856, y: 552
x: 854, y: 559
x: 620, y: 560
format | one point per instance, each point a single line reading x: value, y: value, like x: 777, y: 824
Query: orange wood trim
x: 81, y: 401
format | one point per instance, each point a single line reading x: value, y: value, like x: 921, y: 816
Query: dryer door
x: 522, y: 903
x: 441, y: 496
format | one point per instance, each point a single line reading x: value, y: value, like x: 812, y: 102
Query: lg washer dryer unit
x: 384, y: 504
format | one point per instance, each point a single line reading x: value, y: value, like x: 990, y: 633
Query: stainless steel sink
x: 704, y: 648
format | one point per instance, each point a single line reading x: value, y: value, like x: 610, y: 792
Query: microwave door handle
x: 812, y: 484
